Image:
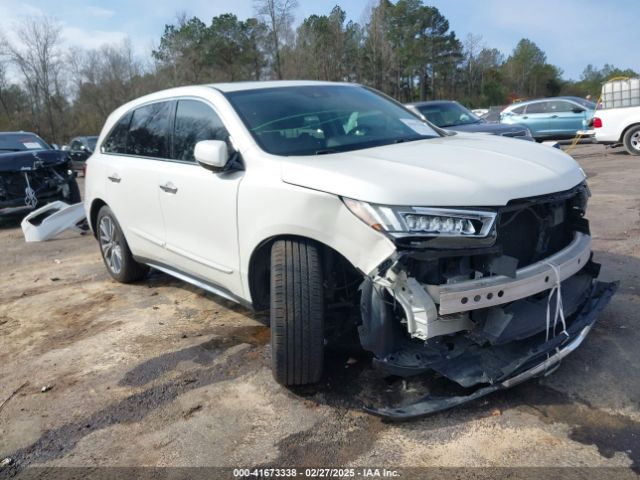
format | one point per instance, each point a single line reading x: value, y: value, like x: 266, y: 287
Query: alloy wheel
x: 635, y: 141
x: 110, y: 244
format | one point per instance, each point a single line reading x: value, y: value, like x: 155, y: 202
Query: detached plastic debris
x: 51, y: 220
x: 6, y: 462
x: 46, y: 388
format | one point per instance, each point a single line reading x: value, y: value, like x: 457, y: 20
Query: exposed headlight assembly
x: 423, y: 221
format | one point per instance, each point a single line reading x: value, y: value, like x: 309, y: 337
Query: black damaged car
x: 33, y: 174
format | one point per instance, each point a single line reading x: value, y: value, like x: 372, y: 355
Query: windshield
x: 91, y: 143
x: 319, y: 119
x: 448, y: 114
x: 15, y: 142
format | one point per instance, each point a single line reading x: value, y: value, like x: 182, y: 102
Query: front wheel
x: 297, y: 316
x: 115, y: 251
x: 632, y: 140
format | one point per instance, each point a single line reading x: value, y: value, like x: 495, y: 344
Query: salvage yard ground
x: 162, y: 373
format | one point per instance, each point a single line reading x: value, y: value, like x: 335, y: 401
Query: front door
x: 198, y: 205
x: 565, y: 118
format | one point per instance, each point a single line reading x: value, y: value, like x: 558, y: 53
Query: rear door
x: 198, y: 205
x: 134, y: 150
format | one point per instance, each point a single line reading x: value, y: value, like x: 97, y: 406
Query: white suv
x: 464, y: 254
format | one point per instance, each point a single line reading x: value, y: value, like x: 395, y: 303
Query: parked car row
x: 453, y: 116
x: 540, y: 119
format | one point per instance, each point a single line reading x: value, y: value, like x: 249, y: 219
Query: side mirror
x: 211, y: 154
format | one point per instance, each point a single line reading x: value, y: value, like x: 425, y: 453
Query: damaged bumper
x: 535, y: 360
x: 472, y: 316
x: 27, y: 187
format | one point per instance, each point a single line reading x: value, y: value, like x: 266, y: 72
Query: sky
x: 573, y: 33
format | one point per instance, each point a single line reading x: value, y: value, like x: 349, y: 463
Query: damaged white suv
x: 464, y: 254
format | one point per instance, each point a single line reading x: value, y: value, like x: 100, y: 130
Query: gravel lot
x: 163, y: 374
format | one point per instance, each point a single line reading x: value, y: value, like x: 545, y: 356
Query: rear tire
x: 115, y: 251
x: 631, y: 140
x: 297, y: 317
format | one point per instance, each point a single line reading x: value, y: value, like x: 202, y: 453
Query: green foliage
x: 592, y: 79
x: 404, y: 48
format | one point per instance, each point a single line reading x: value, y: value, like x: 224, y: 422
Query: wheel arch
x: 96, y: 205
x: 260, y: 266
x: 627, y: 128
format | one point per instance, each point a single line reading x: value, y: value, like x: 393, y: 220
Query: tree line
x: 406, y: 49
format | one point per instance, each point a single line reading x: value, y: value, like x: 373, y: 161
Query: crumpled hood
x: 458, y: 170
x: 27, y: 160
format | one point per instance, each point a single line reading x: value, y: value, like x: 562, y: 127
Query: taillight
x: 597, y: 122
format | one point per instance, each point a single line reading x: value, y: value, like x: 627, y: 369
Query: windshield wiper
x: 403, y: 140
x: 325, y: 151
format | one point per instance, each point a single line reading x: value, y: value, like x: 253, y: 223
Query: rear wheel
x: 115, y: 251
x: 297, y: 317
x: 632, y: 140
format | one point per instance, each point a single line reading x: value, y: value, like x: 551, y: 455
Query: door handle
x: 553, y: 116
x: 525, y: 117
x: 115, y: 178
x: 169, y: 188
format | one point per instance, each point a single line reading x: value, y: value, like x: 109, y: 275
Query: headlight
x: 422, y: 221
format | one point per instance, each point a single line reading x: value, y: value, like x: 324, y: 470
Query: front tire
x: 115, y: 251
x: 631, y: 140
x: 297, y: 316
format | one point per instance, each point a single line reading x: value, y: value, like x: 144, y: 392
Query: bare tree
x: 278, y: 16
x: 38, y: 58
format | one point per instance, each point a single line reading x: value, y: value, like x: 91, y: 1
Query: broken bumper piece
x: 496, y: 368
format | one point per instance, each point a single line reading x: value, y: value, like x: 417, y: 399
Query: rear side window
x: 195, y: 121
x: 148, y: 131
x: 116, y: 142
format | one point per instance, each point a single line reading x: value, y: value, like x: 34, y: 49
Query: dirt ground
x: 163, y: 374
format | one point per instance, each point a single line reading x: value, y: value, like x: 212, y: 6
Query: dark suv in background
x: 81, y: 148
x: 451, y: 115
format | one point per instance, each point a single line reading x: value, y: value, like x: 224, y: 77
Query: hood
x: 487, y: 127
x: 458, y: 170
x: 27, y: 160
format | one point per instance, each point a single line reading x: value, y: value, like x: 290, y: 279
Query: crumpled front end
x: 31, y: 179
x: 486, y: 314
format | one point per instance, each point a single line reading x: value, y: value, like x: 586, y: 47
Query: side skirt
x: 198, y: 282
